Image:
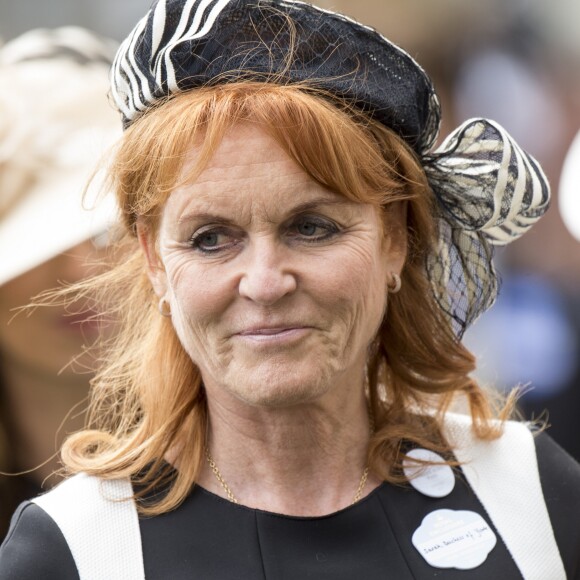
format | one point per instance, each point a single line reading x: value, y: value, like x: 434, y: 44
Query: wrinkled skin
x: 276, y: 285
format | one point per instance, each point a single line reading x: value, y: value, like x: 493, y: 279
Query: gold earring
x: 395, y: 286
x: 164, y: 307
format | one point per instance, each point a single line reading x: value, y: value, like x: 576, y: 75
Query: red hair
x: 148, y: 398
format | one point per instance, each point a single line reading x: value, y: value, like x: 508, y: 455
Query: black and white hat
x: 489, y: 190
x: 184, y: 44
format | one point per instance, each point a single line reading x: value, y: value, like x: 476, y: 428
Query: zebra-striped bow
x: 490, y: 192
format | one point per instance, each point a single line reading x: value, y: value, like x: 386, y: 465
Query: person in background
x: 278, y: 400
x: 55, y: 123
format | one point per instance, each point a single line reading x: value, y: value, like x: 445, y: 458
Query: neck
x: 305, y: 460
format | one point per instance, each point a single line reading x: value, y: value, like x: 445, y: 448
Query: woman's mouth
x: 274, y: 335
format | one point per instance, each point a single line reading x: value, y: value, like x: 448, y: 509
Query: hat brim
x: 54, y: 216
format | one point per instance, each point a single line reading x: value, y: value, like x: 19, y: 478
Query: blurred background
x: 515, y: 61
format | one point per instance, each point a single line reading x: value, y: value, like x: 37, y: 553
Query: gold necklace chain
x: 232, y: 497
x: 219, y: 477
x: 361, y: 485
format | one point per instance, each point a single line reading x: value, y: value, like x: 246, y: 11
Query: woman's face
x: 276, y: 285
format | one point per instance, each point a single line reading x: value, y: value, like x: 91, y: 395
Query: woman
x: 277, y: 402
x: 47, y: 152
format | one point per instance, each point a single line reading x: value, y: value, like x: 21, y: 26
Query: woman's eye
x: 209, y: 240
x: 308, y: 228
x: 212, y: 241
x: 314, y: 228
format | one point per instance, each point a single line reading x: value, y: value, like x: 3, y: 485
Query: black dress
x: 211, y: 538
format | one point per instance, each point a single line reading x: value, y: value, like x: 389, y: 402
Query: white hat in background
x: 56, y: 124
x: 569, y: 193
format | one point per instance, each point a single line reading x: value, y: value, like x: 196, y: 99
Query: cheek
x: 355, y: 283
x: 199, y: 297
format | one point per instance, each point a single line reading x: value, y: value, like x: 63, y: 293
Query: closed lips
x: 270, y: 331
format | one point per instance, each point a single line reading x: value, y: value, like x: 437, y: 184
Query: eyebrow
x: 203, y: 216
x: 316, y: 203
x: 297, y: 209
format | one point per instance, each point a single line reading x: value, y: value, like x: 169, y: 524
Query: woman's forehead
x: 249, y: 176
x: 244, y: 149
x: 266, y: 190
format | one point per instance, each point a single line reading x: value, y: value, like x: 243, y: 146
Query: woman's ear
x: 155, y: 269
x: 396, y: 239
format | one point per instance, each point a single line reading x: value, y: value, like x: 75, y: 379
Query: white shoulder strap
x: 98, y: 519
x: 504, y: 475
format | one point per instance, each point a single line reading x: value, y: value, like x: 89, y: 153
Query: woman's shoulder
x: 524, y: 456
x: 38, y: 544
x: 560, y: 481
x: 560, y: 472
x: 83, y: 518
x: 101, y: 514
x: 529, y: 487
x: 518, y: 443
x: 35, y: 548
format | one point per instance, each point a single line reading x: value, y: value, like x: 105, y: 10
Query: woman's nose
x: 267, y: 276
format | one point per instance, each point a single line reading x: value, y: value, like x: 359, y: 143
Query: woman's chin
x: 279, y: 387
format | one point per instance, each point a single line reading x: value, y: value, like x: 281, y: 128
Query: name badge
x: 431, y: 480
x: 454, y: 539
